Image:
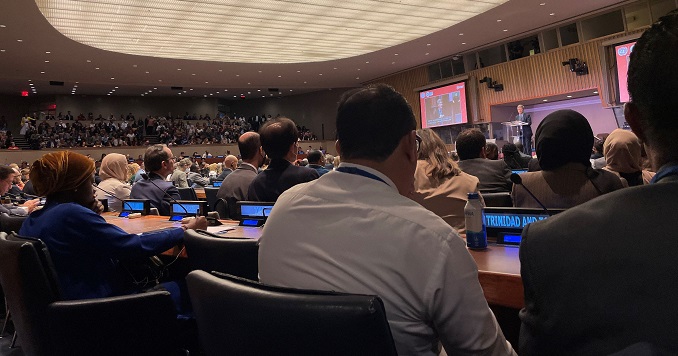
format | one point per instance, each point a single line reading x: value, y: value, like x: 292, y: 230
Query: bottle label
x: 476, y: 240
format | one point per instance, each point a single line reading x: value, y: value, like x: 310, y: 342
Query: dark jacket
x: 494, y: 175
x: 277, y: 178
x: 144, y: 189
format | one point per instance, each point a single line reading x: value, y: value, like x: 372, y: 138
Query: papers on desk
x: 220, y: 230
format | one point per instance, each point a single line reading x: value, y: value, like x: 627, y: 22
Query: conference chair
x: 211, y: 197
x: 221, y: 207
x: 187, y: 194
x: 501, y: 199
x: 209, y: 252
x: 237, y: 316
x: 142, y: 323
x: 9, y: 223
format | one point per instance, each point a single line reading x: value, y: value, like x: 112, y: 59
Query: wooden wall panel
x: 527, y: 78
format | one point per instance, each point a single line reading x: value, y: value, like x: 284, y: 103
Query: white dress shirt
x: 354, y: 234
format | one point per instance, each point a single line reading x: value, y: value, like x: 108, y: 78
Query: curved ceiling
x: 294, y: 31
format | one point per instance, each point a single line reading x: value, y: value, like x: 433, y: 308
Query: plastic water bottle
x: 476, y: 236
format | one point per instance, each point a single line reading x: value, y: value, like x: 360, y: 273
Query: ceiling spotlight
x: 552, y: 14
x: 89, y: 61
x: 112, y: 78
x: 19, y: 40
x: 146, y: 71
x: 96, y: 68
x: 48, y: 52
x: 545, y: 100
x: 42, y: 72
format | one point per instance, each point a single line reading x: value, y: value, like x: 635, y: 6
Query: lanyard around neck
x: 360, y: 172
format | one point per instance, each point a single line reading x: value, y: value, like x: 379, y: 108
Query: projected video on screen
x: 623, y: 56
x: 443, y: 106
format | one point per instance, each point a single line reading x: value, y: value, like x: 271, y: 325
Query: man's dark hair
x: 277, y: 136
x: 371, y: 121
x: 314, y: 157
x: 5, y: 172
x: 249, y: 145
x: 470, y: 143
x: 653, y: 81
x: 154, y: 157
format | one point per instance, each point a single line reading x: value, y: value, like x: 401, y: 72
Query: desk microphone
x: 517, y: 180
x: 146, y: 177
x: 124, y: 203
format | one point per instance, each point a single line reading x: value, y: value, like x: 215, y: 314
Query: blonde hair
x: 132, y: 169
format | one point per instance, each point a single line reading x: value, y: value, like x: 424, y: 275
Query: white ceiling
x: 34, y: 52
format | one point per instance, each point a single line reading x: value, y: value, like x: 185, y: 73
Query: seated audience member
x: 235, y: 185
x: 491, y: 151
x: 622, y: 154
x: 159, y: 161
x: 525, y: 157
x: 601, y: 276
x: 113, y: 174
x: 140, y: 170
x: 17, y: 184
x: 597, y: 157
x: 83, y: 246
x: 197, y: 180
x: 563, y: 141
x: 394, y: 247
x: 132, y: 169
x: 7, y: 175
x: 230, y: 164
x: 316, y: 160
x: 279, y: 140
x: 514, y: 158
x: 439, y: 185
x: 179, y: 176
x: 494, y: 176
x: 329, y: 159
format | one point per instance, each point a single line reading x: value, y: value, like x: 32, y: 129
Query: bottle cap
x: 473, y: 195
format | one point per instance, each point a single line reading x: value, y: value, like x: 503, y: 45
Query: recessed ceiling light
x: 320, y: 74
x: 42, y: 72
x: 178, y: 68
x: 298, y: 71
x: 249, y: 92
x: 542, y: 4
x: 19, y: 40
x: 190, y: 89
x: 304, y: 82
x: 595, y: 92
x: 463, y: 43
x: 395, y: 54
x: 280, y: 76
x: 392, y: 62
x: 426, y: 54
x: 160, y: 80
x: 134, y: 65
x: 569, y: 96
x: 224, y: 89
x: 207, y: 82
x: 505, y: 30
x: 249, y: 83
x: 235, y: 96
x: 210, y: 94
x: 217, y: 92
x: 48, y: 52
x: 263, y: 96
x: 545, y: 100
x: 192, y: 73
x: 461, y: 34
x: 552, y: 14
x: 146, y: 71
x: 368, y: 62
x: 180, y: 93
x: 96, y: 68
x: 290, y: 89
x: 2, y: 50
x: 221, y: 70
x: 358, y: 68
x: 3, y: 26
x: 237, y: 75
x: 260, y: 71
x: 112, y: 78
x: 150, y: 91
x: 357, y: 77
x: 428, y: 44
x: 89, y: 61
x: 108, y: 94
x: 499, y: 20
x: 116, y: 87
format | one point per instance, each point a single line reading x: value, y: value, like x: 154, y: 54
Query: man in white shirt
x: 355, y: 230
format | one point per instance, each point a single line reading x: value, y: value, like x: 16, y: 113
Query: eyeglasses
x: 418, y: 142
x: 172, y: 159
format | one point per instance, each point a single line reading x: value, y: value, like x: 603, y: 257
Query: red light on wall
x: 24, y: 93
x: 51, y: 107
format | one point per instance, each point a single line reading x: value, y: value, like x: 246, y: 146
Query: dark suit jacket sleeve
x: 507, y: 176
x: 527, y: 118
x: 529, y: 315
x: 173, y: 192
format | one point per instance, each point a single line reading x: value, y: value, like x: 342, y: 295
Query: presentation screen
x: 443, y: 106
x: 623, y: 55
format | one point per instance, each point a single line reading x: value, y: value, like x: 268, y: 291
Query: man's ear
x: 409, y: 145
x: 633, y: 118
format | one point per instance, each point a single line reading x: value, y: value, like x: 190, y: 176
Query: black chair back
x: 211, y: 197
x: 187, y: 194
x: 221, y: 207
x: 502, y: 199
x: 28, y: 294
x: 209, y: 252
x: 10, y: 224
x: 242, y: 317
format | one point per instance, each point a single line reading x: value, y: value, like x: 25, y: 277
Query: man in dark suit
x: 601, y: 277
x: 230, y: 164
x: 279, y: 140
x: 159, y: 161
x: 526, y: 138
x: 235, y: 185
x: 494, y: 175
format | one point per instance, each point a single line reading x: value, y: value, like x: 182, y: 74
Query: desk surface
x: 498, y: 266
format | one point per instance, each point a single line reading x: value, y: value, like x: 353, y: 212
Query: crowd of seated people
x: 64, y: 131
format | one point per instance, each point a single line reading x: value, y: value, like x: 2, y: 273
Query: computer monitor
x: 186, y: 208
x: 254, y: 213
x: 519, y: 171
x: 216, y: 184
x: 505, y: 224
x: 130, y: 206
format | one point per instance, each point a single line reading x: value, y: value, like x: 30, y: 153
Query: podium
x: 514, y: 130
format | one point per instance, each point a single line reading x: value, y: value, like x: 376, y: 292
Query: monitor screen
x: 623, y: 56
x: 512, y: 220
x: 443, y: 106
x: 192, y: 209
x: 256, y: 210
x: 519, y: 171
x: 216, y: 184
x: 133, y: 205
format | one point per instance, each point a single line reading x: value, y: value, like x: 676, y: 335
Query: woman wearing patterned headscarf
x: 563, y: 142
x: 114, y: 176
x: 85, y: 248
x: 622, y: 152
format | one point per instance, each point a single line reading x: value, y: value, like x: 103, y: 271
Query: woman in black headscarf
x: 563, y: 143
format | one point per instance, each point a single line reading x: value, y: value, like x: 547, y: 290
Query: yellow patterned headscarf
x: 60, y: 171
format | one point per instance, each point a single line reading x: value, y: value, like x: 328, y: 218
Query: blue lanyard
x: 665, y: 172
x: 360, y: 172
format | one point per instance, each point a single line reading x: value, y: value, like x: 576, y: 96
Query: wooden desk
x: 200, y: 193
x: 498, y: 266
